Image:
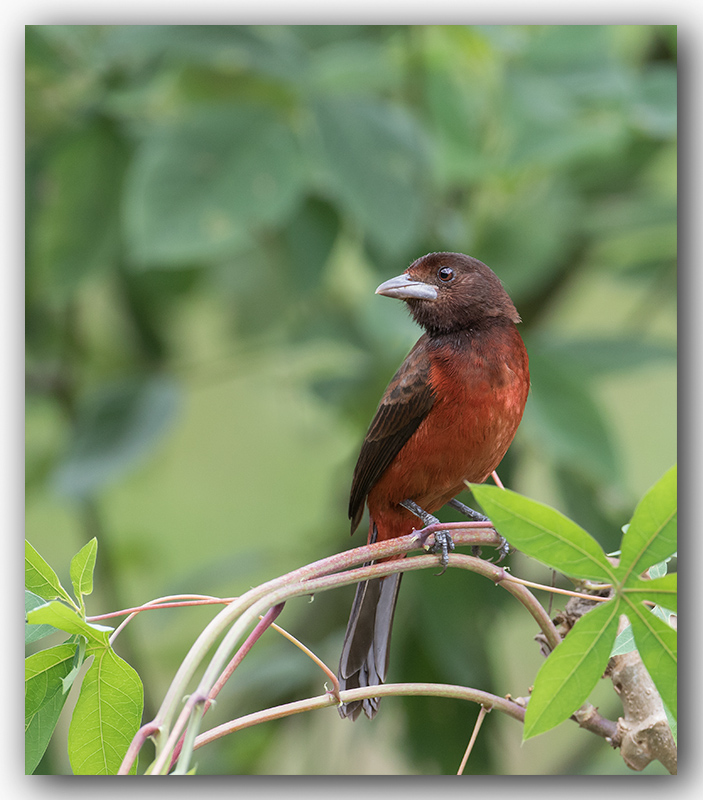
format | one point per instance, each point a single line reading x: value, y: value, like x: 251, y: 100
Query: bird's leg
x: 503, y: 548
x: 467, y: 512
x: 443, y: 543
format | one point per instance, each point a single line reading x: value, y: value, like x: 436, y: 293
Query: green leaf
x: 651, y: 536
x: 657, y: 645
x: 565, y: 419
x: 543, y: 533
x: 44, y: 699
x: 117, y: 427
x: 376, y: 165
x: 40, y: 578
x: 107, y: 715
x: 75, y: 230
x: 662, y: 591
x: 33, y: 633
x: 199, y: 188
x: 572, y: 670
x: 66, y: 619
x: 309, y: 238
x: 82, y: 566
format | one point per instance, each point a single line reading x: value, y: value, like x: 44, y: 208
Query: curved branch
x: 485, y: 699
x: 318, y: 576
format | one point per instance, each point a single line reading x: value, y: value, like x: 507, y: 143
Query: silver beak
x: 405, y: 288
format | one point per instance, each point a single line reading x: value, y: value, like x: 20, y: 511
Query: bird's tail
x: 364, y: 660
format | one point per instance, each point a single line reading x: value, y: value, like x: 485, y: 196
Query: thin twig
x: 477, y: 727
x: 316, y: 659
x: 170, y: 601
x: 556, y: 590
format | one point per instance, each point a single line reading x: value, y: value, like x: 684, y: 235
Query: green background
x: 209, y: 210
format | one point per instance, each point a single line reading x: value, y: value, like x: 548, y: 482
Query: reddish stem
x: 237, y: 659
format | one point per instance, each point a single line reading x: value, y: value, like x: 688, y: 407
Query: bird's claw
x: 503, y: 549
x: 443, y: 544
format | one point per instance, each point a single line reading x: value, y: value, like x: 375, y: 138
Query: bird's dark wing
x: 405, y: 403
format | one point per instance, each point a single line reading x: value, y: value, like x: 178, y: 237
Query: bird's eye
x: 445, y: 274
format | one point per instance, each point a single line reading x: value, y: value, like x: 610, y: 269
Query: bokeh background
x: 208, y: 212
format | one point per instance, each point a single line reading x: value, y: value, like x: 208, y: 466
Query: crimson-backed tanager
x: 448, y: 416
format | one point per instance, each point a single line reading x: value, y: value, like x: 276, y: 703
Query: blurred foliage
x: 208, y: 211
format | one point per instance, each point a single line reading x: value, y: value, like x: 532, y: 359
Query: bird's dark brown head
x: 448, y: 292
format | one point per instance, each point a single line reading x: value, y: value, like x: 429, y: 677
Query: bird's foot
x: 503, y: 548
x: 443, y: 543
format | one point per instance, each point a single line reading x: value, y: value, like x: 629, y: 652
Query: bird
x: 448, y: 416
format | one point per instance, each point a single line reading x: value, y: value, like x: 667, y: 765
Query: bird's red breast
x: 479, y: 384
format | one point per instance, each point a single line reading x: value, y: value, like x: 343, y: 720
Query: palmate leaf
x: 543, y: 533
x: 572, y: 670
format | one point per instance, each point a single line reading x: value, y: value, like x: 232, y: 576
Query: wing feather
x: 405, y: 403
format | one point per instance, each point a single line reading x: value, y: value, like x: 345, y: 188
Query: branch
x: 319, y: 576
x: 643, y: 730
x: 485, y: 699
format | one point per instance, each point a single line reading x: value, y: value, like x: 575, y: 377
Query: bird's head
x: 447, y: 292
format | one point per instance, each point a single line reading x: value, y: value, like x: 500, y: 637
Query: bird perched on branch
x: 448, y: 416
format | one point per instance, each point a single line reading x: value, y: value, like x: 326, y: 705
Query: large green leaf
x: 66, y: 619
x: 117, y: 426
x: 651, y: 534
x: 44, y: 698
x: 75, y: 229
x: 376, y: 165
x: 572, y: 670
x: 543, y: 533
x: 199, y: 188
x: 107, y: 715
